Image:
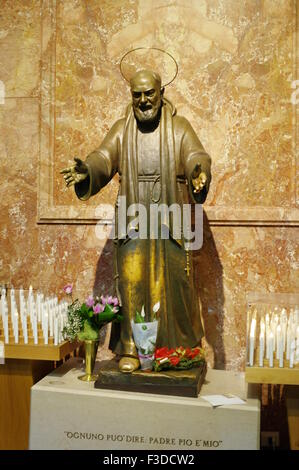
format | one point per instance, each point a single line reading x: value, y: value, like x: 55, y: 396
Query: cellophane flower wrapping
x: 145, y: 337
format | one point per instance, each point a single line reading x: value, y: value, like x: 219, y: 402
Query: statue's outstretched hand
x: 76, y: 173
x: 199, y: 179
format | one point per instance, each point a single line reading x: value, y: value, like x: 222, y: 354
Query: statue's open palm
x: 76, y: 173
x: 199, y: 179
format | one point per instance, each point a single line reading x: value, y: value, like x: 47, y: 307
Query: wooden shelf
x: 43, y: 352
x: 25, y: 364
x: 272, y: 375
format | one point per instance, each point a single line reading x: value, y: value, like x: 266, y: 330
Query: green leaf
x: 84, y: 308
x: 138, y: 318
x: 109, y: 309
x: 105, y: 316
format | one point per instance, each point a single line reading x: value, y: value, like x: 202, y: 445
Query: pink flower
x: 115, y: 309
x: 98, y: 308
x: 109, y: 300
x: 90, y: 301
x: 68, y: 289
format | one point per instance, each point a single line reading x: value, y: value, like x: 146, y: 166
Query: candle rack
x: 272, y: 343
x: 31, y: 326
x: 31, y: 344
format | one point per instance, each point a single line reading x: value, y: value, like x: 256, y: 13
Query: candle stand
x: 24, y: 360
x: 272, y: 349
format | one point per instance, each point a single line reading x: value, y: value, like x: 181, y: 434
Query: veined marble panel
x: 20, y: 31
x: 233, y: 262
x: 236, y: 62
x: 19, y: 148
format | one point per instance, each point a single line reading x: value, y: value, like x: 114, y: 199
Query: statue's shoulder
x: 181, y: 124
x: 116, y: 130
x: 118, y: 125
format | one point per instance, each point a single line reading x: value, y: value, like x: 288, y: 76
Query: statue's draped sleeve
x: 102, y: 164
x: 193, y: 153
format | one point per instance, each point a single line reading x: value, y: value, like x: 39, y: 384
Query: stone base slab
x: 67, y: 413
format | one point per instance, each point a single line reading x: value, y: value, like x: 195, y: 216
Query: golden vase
x: 91, y: 348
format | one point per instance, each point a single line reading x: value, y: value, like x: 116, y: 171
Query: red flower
x: 194, y: 353
x: 161, y: 352
x: 174, y: 360
x: 188, y: 352
x: 197, y: 350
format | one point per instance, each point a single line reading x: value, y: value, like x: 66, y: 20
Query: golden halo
x: 133, y: 67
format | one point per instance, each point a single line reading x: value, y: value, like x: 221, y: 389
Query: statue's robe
x: 154, y: 168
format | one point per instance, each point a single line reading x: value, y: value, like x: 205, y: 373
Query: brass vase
x: 91, y: 348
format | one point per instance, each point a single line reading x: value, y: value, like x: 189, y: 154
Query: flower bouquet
x: 145, y: 336
x: 85, y: 321
x: 178, y: 359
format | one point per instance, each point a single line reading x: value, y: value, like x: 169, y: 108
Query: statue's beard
x: 147, y: 114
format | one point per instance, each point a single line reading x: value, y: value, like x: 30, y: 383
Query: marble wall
x: 63, y: 91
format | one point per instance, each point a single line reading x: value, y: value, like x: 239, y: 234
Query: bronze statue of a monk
x: 159, y: 160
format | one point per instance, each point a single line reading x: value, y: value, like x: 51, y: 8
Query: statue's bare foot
x: 127, y: 365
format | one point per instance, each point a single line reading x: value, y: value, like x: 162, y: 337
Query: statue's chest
x: 148, y: 151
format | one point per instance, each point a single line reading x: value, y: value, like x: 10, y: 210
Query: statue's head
x: 146, y: 96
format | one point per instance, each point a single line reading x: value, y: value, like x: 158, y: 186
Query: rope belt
x: 155, y: 179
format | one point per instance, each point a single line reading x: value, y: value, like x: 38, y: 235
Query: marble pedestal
x: 67, y: 413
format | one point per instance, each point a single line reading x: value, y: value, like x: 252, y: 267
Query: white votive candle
x: 3, y: 301
x: 51, y: 317
x: 56, y: 332
x: 284, y: 324
x: 280, y: 354
x: 262, y: 348
x: 5, y: 326
x: 289, y: 337
x: 38, y: 306
x: 267, y: 334
x: 25, y: 330
x: 252, y: 341
x: 271, y: 349
x: 16, y: 327
x: 34, y: 328
x: 278, y: 336
x: 46, y: 328
x: 292, y: 352
x: 12, y: 296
